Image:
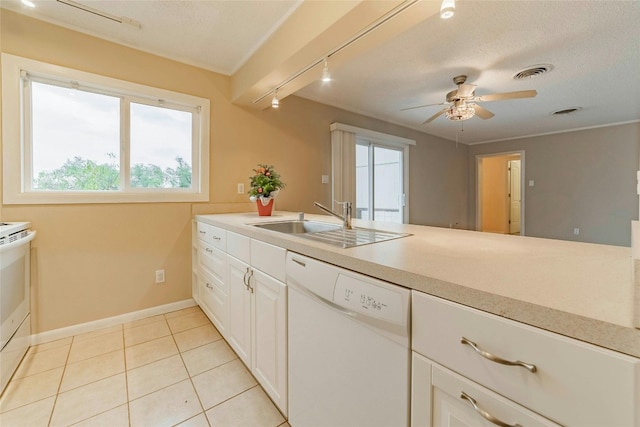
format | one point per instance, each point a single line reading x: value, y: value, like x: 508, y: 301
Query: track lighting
x: 275, y: 103
x: 447, y: 9
x: 326, y: 76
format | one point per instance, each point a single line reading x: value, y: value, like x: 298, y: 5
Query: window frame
x: 16, y: 138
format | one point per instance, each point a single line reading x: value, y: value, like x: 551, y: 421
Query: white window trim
x: 348, y: 167
x: 14, y: 140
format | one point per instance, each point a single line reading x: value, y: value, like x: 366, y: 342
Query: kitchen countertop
x: 580, y: 290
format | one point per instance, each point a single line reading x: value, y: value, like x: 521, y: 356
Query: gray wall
x: 584, y: 179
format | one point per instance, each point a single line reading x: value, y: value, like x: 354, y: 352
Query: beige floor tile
x: 154, y: 376
x: 219, y: 384
x: 31, y: 389
x: 141, y: 322
x: 207, y: 357
x: 95, y: 346
x: 182, y: 312
x: 36, y: 414
x: 199, y: 420
x: 43, y: 360
x: 50, y: 345
x: 99, y: 332
x: 144, y: 333
x: 192, y: 338
x: 165, y: 407
x: 90, y: 400
x: 150, y: 351
x: 252, y: 409
x: 116, y: 417
x: 188, y: 321
x: 94, y: 369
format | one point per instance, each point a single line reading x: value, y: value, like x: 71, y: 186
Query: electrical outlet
x: 576, y: 231
x: 240, y: 188
x: 325, y: 179
x: 159, y: 276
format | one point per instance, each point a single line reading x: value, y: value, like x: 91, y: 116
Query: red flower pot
x: 264, y: 210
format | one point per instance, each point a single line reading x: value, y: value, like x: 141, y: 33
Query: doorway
x: 500, y: 193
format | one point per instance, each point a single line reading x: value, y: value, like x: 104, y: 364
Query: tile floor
x: 165, y: 370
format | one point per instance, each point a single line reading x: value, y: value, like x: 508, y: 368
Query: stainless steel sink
x: 298, y: 227
x: 332, y: 234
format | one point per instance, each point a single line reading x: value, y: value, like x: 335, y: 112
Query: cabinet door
x: 239, y: 318
x: 270, y: 341
x: 213, y: 300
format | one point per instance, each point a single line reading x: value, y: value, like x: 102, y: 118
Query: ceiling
x: 593, y: 46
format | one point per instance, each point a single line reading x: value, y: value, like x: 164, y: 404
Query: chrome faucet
x: 346, y: 213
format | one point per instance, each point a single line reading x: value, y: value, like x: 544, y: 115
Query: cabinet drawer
x: 574, y: 384
x: 213, y: 260
x: 239, y: 246
x: 213, y: 299
x: 269, y: 259
x: 212, y: 235
x: 450, y: 406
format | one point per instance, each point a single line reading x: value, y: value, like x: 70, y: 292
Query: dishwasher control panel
x: 369, y: 299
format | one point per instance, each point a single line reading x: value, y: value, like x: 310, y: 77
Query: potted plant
x: 265, y: 185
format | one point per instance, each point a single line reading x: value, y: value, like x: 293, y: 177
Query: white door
x: 515, y: 196
x: 270, y: 340
x: 239, y: 318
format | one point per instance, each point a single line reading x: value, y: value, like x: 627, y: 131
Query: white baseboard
x: 83, y: 328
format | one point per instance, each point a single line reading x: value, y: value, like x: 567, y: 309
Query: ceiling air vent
x: 532, y: 71
x: 566, y: 111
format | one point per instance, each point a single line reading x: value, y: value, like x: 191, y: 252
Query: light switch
x: 325, y: 179
x: 240, y: 188
x: 531, y: 183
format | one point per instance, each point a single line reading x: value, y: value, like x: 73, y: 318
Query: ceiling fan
x: 461, y: 103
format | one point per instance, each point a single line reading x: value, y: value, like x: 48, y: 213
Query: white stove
x: 15, y: 320
x: 12, y: 231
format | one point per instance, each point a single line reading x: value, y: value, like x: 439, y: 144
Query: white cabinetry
x: 211, y: 273
x: 257, y: 323
x: 512, y: 370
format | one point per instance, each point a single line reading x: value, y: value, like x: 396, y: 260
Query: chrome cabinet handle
x: 209, y: 250
x: 249, y: 287
x: 209, y: 286
x: 216, y: 238
x: 244, y: 278
x: 202, y: 232
x: 297, y: 261
x: 484, y: 414
x: 492, y: 357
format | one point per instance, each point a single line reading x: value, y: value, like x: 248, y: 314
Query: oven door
x: 14, y: 286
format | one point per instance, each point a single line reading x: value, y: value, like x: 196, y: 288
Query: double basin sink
x: 333, y: 234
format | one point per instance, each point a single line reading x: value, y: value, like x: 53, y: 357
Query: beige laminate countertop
x: 580, y: 290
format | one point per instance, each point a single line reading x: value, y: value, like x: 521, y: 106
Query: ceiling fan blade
x: 465, y: 90
x: 483, y: 113
x: 421, y: 106
x: 435, y: 116
x: 506, y: 95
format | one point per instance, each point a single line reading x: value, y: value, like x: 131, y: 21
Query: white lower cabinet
x: 513, y: 372
x: 443, y: 398
x: 257, y: 322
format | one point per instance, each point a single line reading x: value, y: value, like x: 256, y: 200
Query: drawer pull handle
x: 209, y: 285
x: 202, y: 232
x: 209, y: 250
x: 531, y: 368
x: 297, y: 261
x: 484, y: 414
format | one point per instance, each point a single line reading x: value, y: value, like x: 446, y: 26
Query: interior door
x: 515, y: 196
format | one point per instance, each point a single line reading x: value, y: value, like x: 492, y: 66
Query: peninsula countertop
x: 581, y: 290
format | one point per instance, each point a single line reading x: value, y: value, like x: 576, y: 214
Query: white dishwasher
x: 349, y: 349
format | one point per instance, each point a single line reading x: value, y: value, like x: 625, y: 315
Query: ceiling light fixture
x: 326, y: 76
x: 396, y: 11
x: 102, y: 13
x: 460, y: 110
x: 28, y: 3
x: 447, y: 9
x: 275, y: 102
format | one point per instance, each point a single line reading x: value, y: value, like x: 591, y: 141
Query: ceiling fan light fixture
x: 459, y: 111
x: 447, y: 9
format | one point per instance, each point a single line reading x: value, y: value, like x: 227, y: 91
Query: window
x: 75, y: 137
x: 379, y: 182
x: 371, y: 170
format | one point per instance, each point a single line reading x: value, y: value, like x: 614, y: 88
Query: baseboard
x: 83, y: 328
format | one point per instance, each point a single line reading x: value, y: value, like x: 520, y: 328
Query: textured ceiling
x: 594, y: 47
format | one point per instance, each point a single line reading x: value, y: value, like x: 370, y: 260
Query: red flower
x: 268, y: 173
